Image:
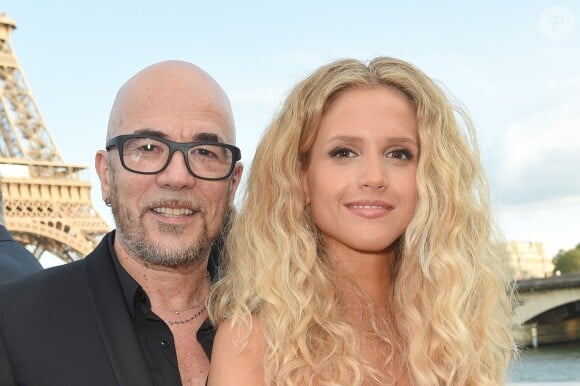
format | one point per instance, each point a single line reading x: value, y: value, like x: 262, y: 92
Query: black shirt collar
x: 131, y: 288
x: 135, y: 295
x: 129, y: 285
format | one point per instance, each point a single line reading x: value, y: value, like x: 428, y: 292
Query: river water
x: 553, y: 365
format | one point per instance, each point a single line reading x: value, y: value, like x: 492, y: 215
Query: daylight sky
x: 515, y: 65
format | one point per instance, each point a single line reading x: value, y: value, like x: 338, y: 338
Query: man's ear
x: 235, y: 181
x: 102, y: 168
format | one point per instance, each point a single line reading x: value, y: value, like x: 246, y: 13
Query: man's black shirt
x: 154, y: 335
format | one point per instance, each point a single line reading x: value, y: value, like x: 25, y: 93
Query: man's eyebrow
x: 151, y: 132
x: 209, y: 137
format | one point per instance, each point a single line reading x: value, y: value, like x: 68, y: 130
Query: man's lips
x: 174, y: 208
x: 173, y: 212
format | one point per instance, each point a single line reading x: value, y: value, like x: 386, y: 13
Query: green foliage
x: 567, y: 261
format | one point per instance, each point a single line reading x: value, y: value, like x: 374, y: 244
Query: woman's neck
x: 370, y: 273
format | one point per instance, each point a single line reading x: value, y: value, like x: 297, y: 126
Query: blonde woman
x: 363, y: 253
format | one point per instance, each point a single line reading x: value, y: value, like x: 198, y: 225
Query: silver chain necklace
x: 185, y: 321
x: 177, y: 312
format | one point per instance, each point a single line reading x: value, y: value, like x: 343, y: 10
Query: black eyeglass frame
x: 183, y: 147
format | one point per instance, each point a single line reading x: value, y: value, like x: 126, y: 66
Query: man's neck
x: 171, y: 288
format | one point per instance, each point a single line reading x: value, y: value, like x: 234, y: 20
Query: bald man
x: 133, y: 311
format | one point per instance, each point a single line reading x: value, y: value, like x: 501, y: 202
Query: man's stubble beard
x: 135, y: 236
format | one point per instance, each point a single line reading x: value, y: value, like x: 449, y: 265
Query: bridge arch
x: 536, y: 296
x: 536, y: 303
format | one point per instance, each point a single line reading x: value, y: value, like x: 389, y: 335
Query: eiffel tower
x: 46, y: 204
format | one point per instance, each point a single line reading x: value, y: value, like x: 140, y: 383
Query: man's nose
x: 177, y: 175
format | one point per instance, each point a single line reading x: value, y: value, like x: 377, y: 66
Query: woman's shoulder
x: 244, y: 334
x: 237, y: 353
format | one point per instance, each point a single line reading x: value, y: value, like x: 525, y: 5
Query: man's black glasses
x: 146, y: 154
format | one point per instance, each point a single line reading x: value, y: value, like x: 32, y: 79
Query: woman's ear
x: 305, y: 188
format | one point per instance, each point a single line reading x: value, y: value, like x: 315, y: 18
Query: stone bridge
x: 549, y: 309
x: 537, y: 296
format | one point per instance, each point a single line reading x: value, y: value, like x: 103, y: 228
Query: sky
x: 515, y: 66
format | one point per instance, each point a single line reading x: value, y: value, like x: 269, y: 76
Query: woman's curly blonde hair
x: 451, y: 293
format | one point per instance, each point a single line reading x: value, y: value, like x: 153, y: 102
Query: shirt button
x: 164, y: 343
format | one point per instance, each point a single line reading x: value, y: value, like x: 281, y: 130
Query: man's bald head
x: 169, y: 88
x: 176, y: 113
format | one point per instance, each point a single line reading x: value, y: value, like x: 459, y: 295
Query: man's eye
x: 204, y: 152
x: 147, y: 148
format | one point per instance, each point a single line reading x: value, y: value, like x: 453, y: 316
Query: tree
x: 568, y: 261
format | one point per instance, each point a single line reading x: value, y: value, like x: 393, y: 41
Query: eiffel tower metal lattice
x: 46, y: 204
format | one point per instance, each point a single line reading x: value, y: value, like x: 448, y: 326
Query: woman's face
x: 360, y: 180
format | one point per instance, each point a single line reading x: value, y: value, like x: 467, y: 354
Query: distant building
x: 528, y: 260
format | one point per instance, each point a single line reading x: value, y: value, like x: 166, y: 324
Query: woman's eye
x: 401, y: 154
x: 342, y: 152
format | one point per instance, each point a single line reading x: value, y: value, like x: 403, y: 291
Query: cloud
x: 538, y: 157
x: 552, y: 222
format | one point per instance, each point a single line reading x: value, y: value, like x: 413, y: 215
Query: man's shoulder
x: 16, y: 261
x: 54, y: 285
x: 60, y: 276
x: 42, y: 283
